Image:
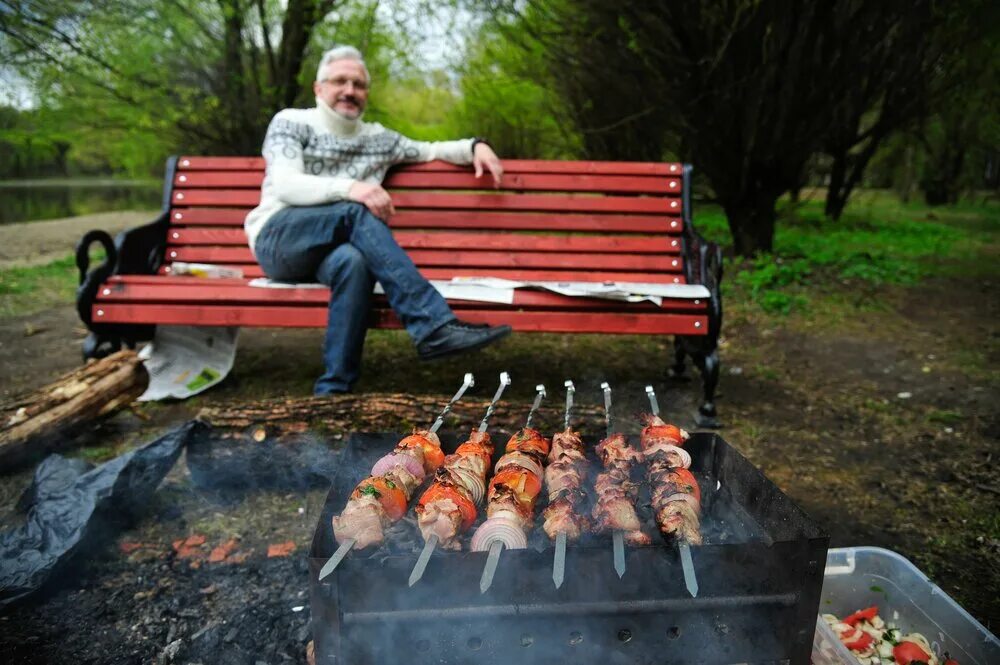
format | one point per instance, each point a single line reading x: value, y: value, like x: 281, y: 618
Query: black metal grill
x: 760, y: 573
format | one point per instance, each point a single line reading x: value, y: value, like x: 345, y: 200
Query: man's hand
x: 484, y: 157
x: 374, y: 198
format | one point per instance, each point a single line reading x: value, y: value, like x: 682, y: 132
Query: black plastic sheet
x: 72, y: 507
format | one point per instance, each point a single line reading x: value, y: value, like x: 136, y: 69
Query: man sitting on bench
x: 322, y: 218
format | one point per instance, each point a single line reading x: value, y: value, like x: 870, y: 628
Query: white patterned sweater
x: 313, y: 156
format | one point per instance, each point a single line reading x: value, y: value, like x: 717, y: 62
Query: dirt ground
x: 884, y: 428
x: 37, y: 243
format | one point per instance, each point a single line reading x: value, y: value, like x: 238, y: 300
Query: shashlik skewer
x: 515, y: 486
x: 616, y: 493
x: 675, y: 492
x: 382, y: 497
x: 564, y: 477
x: 448, y: 507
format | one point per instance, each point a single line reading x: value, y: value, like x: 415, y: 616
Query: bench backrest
x: 551, y: 220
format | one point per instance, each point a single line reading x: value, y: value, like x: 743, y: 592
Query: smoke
x: 750, y: 603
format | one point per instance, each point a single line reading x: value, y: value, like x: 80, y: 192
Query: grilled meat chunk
x: 364, y: 520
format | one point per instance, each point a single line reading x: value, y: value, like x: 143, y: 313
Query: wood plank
x: 208, y: 216
x: 465, y: 180
x: 556, y: 166
x: 252, y: 270
x: 475, y: 202
x: 462, y: 241
x: 194, y: 291
x: 467, y: 258
x: 484, y: 220
x: 512, y: 166
x: 316, y: 317
x: 219, y: 179
x: 535, y: 182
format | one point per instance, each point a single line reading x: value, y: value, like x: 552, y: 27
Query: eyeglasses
x: 341, y: 82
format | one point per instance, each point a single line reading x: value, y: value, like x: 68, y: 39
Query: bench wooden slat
x: 465, y: 259
x: 486, y: 221
x: 196, y: 291
x: 452, y: 240
x: 313, y: 317
x: 463, y: 180
x: 510, y: 166
x: 252, y: 270
x: 472, y: 202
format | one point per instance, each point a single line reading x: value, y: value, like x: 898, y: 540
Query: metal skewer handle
x: 534, y: 407
x: 466, y: 384
x: 652, y: 400
x: 570, y: 389
x: 504, y: 382
x: 606, y: 387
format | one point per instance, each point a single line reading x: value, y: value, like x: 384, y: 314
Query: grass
x: 24, y: 291
x: 27, y: 290
x: 879, y: 241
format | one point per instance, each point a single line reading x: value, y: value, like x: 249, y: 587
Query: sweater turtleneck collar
x: 336, y: 123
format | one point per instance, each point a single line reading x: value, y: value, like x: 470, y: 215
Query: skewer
x: 617, y: 538
x: 504, y: 382
x: 559, y: 561
x: 466, y: 384
x: 425, y: 554
x: 652, y: 401
x: 687, y: 565
x: 348, y: 545
x: 534, y: 406
x: 338, y: 556
x: 493, y: 559
x: 683, y: 548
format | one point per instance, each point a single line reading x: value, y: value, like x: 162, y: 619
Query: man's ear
x: 316, y: 85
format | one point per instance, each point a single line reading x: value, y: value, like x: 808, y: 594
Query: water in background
x: 34, y: 200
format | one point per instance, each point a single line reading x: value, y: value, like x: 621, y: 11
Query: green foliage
x: 879, y: 241
x: 500, y: 100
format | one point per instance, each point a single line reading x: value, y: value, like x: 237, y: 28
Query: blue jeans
x: 344, y: 246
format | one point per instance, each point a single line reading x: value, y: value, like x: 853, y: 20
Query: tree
x: 926, y: 57
x: 962, y: 136
x: 748, y: 90
x: 158, y: 75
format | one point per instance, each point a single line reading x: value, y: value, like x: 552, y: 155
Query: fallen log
x: 29, y: 424
x: 381, y: 412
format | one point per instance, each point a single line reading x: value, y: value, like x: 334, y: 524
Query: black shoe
x: 457, y: 337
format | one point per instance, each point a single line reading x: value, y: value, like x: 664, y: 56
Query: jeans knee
x: 357, y: 211
x: 344, y: 264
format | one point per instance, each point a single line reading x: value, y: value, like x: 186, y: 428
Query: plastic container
x: 859, y: 577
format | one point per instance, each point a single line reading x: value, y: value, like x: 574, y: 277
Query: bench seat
x: 551, y: 221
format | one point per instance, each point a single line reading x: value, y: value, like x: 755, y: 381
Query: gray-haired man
x: 322, y: 213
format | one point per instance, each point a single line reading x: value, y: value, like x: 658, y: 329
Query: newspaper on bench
x: 496, y: 290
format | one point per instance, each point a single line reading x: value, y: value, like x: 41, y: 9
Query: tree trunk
x: 95, y: 390
x: 751, y: 220
x: 391, y: 412
x: 835, y: 197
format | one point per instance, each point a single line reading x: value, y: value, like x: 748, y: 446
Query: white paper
x: 185, y: 360
x: 624, y: 291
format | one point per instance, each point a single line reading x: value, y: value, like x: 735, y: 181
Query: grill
x: 760, y: 573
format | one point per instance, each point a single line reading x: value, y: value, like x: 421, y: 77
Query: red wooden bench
x: 552, y: 220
